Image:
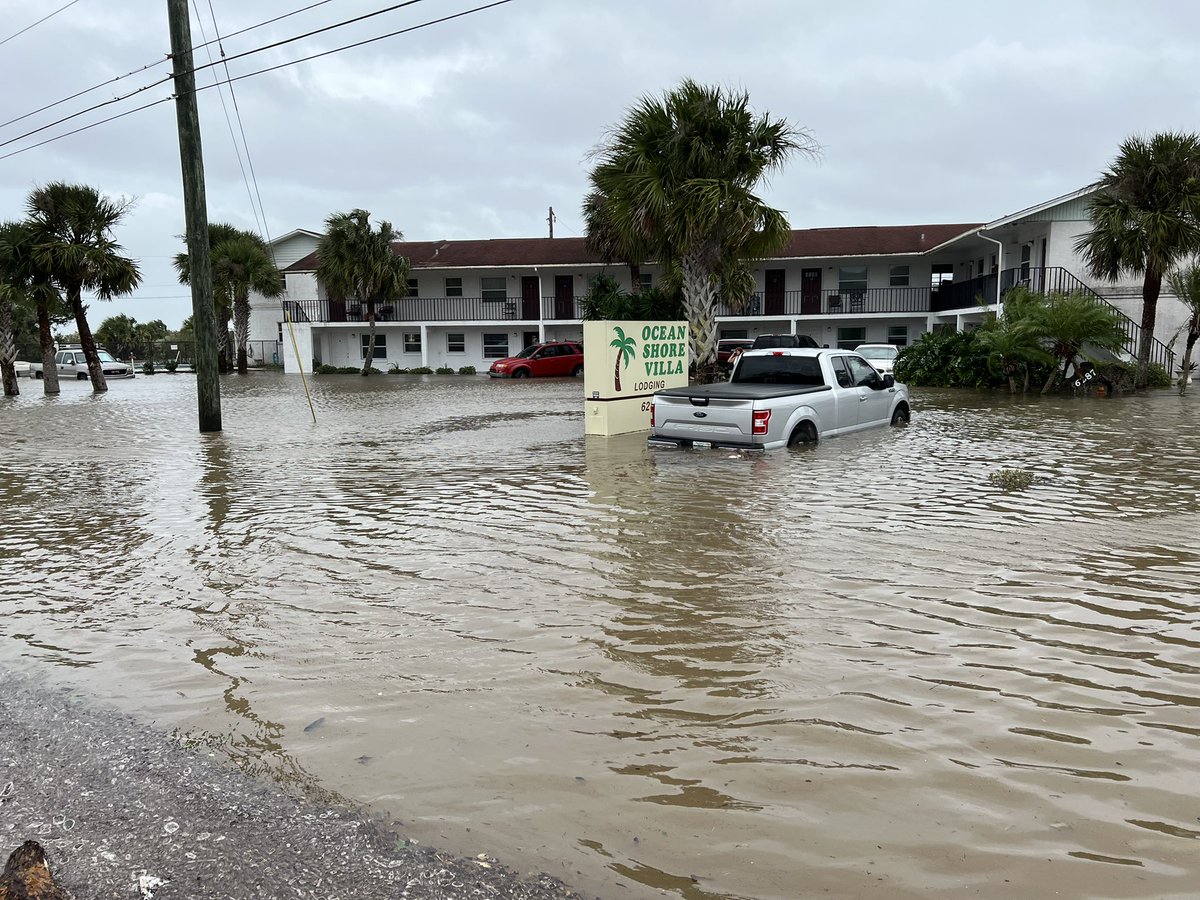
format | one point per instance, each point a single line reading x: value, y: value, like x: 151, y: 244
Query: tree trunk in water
x: 370, y: 354
x: 1025, y: 389
x: 86, y: 341
x: 8, y: 350
x: 223, y: 362
x: 1151, y: 287
x: 1186, y: 365
x: 700, y: 303
x: 46, y: 339
x: 241, y: 329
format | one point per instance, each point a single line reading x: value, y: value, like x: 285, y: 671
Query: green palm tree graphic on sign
x: 626, y: 349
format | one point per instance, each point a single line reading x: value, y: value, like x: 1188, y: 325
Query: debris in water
x: 315, y: 724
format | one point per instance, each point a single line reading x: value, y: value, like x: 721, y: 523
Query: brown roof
x: 805, y: 243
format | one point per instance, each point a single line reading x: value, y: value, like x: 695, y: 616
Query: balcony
x: 439, y: 309
x: 836, y: 302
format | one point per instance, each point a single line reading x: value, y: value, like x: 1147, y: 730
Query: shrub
x: 394, y: 369
x: 945, y: 359
x: 467, y: 370
x: 445, y: 370
x: 148, y: 367
x: 171, y: 365
x: 421, y: 370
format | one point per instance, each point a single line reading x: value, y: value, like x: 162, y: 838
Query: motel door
x: 810, y: 292
x: 773, y: 304
x: 530, y: 297
x: 564, y: 297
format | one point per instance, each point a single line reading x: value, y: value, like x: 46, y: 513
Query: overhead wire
x: 159, y: 62
x: 38, y: 22
x: 231, y: 80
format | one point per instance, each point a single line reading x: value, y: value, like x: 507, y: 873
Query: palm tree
x: 241, y: 262
x: 1185, y: 284
x: 21, y: 282
x: 72, y: 227
x: 355, y: 261
x: 1012, y: 347
x: 625, y: 350
x: 1067, y: 323
x: 218, y: 233
x: 606, y: 239
x: 679, y: 174
x: 1145, y: 220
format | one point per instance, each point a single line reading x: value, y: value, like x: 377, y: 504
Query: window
x: 841, y: 372
x: 494, y: 289
x: 979, y: 267
x: 898, y: 335
x: 942, y: 272
x: 495, y: 346
x: 1026, y: 259
x: 380, y: 346
x: 413, y: 288
x: 280, y: 338
x: 412, y: 342
x: 456, y: 342
x: 852, y: 278
x: 862, y: 373
x: 453, y: 287
x: 646, y: 280
x: 849, y: 338
x: 898, y: 276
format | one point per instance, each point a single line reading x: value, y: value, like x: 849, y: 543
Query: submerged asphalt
x: 126, y: 810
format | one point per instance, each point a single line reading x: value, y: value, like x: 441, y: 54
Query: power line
x: 152, y: 65
x: 196, y: 69
x: 38, y: 22
x: 285, y: 65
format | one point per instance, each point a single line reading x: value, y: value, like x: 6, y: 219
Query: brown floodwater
x: 857, y: 669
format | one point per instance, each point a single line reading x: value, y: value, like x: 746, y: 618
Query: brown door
x: 773, y: 299
x: 530, y: 297
x: 810, y: 292
x: 564, y: 297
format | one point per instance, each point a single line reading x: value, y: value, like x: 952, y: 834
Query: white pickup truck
x: 71, y: 363
x: 779, y: 398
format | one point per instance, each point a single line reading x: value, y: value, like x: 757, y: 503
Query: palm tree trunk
x: 1185, y: 366
x: 617, y: 372
x: 700, y: 304
x: 635, y: 278
x: 46, y: 339
x: 8, y: 349
x: 370, y: 354
x: 1151, y: 288
x: 86, y: 341
x: 241, y: 328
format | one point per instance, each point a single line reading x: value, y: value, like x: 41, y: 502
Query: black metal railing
x: 437, y: 309
x: 964, y: 294
x: 833, y: 302
x: 1050, y: 279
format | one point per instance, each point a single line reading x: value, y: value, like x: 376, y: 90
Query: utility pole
x: 191, y: 158
x: 550, y: 219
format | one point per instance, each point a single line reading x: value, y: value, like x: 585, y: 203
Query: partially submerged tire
x: 804, y: 433
x: 578, y: 371
x: 900, y: 415
x: 520, y: 373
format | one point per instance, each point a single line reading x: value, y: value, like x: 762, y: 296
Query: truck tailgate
x: 704, y: 418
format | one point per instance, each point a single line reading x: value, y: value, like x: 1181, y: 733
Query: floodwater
x: 854, y: 670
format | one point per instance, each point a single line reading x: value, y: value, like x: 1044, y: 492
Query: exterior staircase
x: 1055, y: 278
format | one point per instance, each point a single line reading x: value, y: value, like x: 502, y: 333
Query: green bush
x: 467, y: 370
x: 395, y: 369
x: 945, y: 359
x: 421, y: 370
x: 148, y: 367
x: 171, y: 365
x: 445, y: 370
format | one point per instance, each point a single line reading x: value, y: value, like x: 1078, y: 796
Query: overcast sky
x: 927, y: 112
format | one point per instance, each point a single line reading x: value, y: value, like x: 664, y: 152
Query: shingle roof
x: 807, y: 243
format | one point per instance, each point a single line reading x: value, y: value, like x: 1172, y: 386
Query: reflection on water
x: 856, y: 669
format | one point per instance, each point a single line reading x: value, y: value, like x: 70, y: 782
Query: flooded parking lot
x: 857, y: 669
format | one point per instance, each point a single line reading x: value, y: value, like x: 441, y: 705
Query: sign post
x: 624, y: 364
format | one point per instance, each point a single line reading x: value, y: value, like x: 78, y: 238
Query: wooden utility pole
x: 191, y: 158
x: 550, y: 219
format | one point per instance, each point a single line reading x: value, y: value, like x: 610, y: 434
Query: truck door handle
x: 862, y: 399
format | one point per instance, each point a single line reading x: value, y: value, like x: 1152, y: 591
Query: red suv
x: 550, y: 358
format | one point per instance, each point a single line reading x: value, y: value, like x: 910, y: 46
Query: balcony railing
x: 437, y: 309
x: 834, y: 302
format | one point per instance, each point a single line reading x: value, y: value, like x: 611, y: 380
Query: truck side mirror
x: 889, y: 380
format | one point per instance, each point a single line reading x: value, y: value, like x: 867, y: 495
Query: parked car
x: 729, y: 346
x: 537, y: 360
x: 881, y: 356
x: 772, y: 341
x: 71, y: 363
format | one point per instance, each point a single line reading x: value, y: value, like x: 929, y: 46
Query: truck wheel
x: 80, y: 376
x: 578, y: 371
x: 804, y: 433
x: 37, y: 374
x: 900, y: 415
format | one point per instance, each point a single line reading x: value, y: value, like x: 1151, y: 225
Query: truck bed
x: 744, y: 391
